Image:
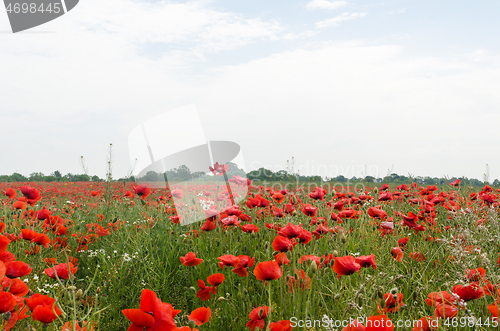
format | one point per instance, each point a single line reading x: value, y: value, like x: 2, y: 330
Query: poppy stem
x: 308, y: 300
x: 270, y: 307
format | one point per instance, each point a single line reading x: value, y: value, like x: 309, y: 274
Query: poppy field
x: 115, y: 256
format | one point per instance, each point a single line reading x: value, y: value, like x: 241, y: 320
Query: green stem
x: 308, y: 300
x: 270, y: 306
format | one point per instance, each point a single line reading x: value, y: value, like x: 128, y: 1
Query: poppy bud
x: 71, y: 288
x: 380, y: 294
x: 313, y: 267
x: 343, y: 238
x: 192, y: 288
x: 447, y: 275
x: 79, y: 294
x: 239, y: 296
x: 143, y: 202
x: 266, y: 245
x: 192, y: 324
x: 414, y: 295
x: 382, y: 303
x: 359, y: 301
x: 335, y: 253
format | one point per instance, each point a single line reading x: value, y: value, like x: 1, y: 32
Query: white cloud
x: 324, y: 4
x: 338, y: 19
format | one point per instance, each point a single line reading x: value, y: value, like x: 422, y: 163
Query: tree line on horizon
x: 261, y: 175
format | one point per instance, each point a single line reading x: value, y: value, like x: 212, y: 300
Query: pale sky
x: 342, y: 86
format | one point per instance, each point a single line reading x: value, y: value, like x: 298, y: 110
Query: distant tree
x: 56, y: 174
x: 369, y: 179
x: 340, y: 179
x: 17, y: 177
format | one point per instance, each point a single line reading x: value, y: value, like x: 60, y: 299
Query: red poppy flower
x: 228, y: 260
x: 190, y: 260
x: 442, y: 297
x: 16, y: 286
x: 318, y: 194
x: 45, y: 313
x: 153, y: 314
x: 417, y: 256
x: 208, y: 226
x: 475, y: 274
x: 61, y: 270
x: 244, y: 262
x: 284, y: 325
x: 493, y: 310
x: 290, y: 231
x: 17, y: 269
x: 281, y: 259
x: 205, y: 292
x: 268, y: 270
x: 402, y: 242
x: 278, y: 197
x: 30, y: 193
x: 366, y: 261
x: 250, y: 228
x: 43, y: 214
x: 42, y: 307
x: 257, y: 317
x: 455, y: 183
x: 200, y: 315
x: 215, y: 279
x: 345, y: 265
x: 10, y: 192
x: 282, y: 244
x: 142, y: 191
x: 377, y: 213
x: 469, y: 292
x: 19, y: 205
x: 305, y: 237
x: 393, y: 303
x: 445, y: 311
x: 4, y: 242
x: 397, y: 254
x: 7, y: 302
x: 220, y: 169
x: 253, y: 202
x: 309, y: 210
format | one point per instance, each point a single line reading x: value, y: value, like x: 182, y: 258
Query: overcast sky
x: 342, y: 86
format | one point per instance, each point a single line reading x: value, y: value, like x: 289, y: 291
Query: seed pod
x: 79, y: 294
